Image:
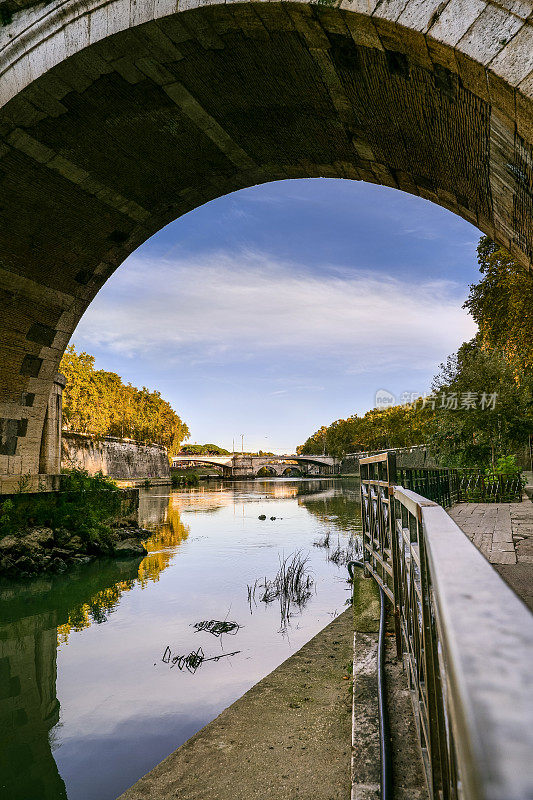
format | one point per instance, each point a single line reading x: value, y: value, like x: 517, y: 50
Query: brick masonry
x: 116, y: 117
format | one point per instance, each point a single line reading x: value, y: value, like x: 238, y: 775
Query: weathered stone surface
x: 504, y: 534
x: 121, y: 459
x: 117, y: 118
x: 40, y: 537
x: 9, y: 543
x: 130, y: 547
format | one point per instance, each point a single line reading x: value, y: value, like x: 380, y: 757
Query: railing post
x: 431, y: 679
x: 392, y: 477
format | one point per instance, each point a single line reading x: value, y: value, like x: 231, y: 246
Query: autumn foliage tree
x: 497, y: 363
x: 97, y: 402
x: 378, y: 429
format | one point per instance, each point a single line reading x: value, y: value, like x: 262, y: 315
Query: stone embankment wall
x: 122, y: 459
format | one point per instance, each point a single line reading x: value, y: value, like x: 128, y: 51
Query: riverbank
x: 42, y: 549
x: 88, y: 517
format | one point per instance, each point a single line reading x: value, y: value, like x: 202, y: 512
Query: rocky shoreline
x: 46, y: 550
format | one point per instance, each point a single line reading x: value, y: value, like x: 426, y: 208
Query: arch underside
x: 107, y: 147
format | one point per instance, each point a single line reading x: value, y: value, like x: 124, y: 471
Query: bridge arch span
x: 118, y: 117
x: 267, y: 471
x: 290, y: 472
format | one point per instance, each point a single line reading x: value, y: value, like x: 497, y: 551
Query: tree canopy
x: 481, y: 401
x: 99, y: 403
x: 378, y: 429
x: 203, y: 450
x: 502, y: 306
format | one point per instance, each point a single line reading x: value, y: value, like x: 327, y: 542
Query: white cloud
x: 221, y: 308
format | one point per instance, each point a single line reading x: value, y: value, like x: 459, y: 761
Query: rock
x: 39, y: 537
x: 9, y: 543
x: 272, y: 518
x: 74, y: 544
x: 24, y: 565
x: 59, y: 552
x: 82, y: 559
x: 58, y: 565
x: 129, y: 547
x: 262, y: 516
x: 128, y: 533
x: 6, y: 564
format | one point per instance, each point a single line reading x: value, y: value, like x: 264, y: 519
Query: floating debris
x: 193, y: 660
x: 217, y: 627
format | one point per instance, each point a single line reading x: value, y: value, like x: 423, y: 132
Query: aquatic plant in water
x: 192, y: 660
x: 341, y: 555
x: 324, y: 541
x: 217, y: 627
x: 292, y: 586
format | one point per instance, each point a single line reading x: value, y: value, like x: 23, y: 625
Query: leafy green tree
x: 97, y: 402
x: 502, y: 306
x: 482, y: 411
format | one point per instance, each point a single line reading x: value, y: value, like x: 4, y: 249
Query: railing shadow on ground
x: 465, y: 638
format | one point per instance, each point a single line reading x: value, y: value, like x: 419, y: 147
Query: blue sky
x: 282, y: 307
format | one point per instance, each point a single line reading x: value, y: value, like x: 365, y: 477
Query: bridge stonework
x: 118, y: 116
x: 245, y: 466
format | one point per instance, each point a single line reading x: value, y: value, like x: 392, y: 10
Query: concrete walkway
x: 504, y: 534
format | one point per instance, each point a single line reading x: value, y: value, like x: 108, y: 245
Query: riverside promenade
x: 503, y: 532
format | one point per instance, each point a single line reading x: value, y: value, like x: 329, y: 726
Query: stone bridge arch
x: 116, y: 117
x: 268, y: 471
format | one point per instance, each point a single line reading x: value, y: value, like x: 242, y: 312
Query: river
x: 93, y: 693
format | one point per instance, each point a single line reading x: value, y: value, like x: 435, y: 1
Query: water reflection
x: 341, y: 511
x: 121, y: 708
x: 35, y: 616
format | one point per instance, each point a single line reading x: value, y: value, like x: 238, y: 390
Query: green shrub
x: 85, y: 503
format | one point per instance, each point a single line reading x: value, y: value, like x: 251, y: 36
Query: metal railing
x: 448, y: 486
x: 440, y: 485
x: 465, y: 638
x: 476, y: 486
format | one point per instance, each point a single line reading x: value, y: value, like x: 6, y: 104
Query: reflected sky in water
x: 87, y: 705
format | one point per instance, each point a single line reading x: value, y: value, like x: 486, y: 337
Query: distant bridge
x: 244, y: 466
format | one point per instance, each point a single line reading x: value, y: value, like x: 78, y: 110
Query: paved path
x: 504, y: 534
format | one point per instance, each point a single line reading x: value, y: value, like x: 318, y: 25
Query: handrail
x: 486, y: 637
x: 465, y: 638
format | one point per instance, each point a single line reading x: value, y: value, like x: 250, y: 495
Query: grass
x: 292, y: 585
x: 85, y: 506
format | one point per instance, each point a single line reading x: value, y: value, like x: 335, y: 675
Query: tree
x: 502, y: 306
x: 482, y: 411
x: 482, y: 406
x: 99, y: 403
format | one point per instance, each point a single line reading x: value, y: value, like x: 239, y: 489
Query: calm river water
x: 87, y: 703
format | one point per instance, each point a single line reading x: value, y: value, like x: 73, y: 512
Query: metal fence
x: 465, y: 638
x: 449, y: 486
